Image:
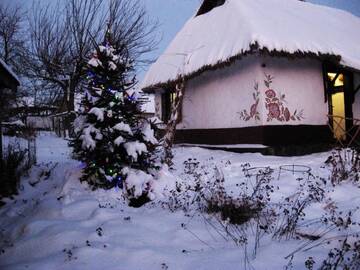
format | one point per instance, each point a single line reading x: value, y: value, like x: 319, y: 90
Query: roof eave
x: 335, y: 59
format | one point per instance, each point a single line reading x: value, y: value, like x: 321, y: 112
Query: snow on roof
x: 9, y: 70
x: 230, y: 30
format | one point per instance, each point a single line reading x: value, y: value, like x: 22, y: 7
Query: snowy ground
x: 58, y: 223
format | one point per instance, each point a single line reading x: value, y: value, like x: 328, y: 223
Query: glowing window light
x: 339, y: 80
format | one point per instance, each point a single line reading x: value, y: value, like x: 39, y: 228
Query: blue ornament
x: 119, y: 182
x: 132, y: 98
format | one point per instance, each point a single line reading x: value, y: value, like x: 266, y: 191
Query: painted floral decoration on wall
x: 275, y: 104
x: 253, y: 111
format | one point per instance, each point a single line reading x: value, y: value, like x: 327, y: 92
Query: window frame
x: 167, y: 100
x: 347, y: 88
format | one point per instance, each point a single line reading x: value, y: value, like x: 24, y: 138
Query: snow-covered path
x: 58, y: 223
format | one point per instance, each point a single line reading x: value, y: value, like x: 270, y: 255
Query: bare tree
x: 63, y: 36
x: 132, y: 29
x: 11, y: 35
x: 12, y: 43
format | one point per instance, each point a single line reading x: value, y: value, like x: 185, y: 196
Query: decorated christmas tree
x: 113, y: 139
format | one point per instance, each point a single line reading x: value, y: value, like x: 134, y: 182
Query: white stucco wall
x: 301, y: 81
x: 356, y: 105
x: 216, y: 98
x: 157, y: 104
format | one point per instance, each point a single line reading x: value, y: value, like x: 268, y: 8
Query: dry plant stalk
x: 170, y: 130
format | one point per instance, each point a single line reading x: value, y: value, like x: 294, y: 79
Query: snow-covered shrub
x: 346, y: 253
x: 292, y: 210
x: 337, y: 219
x: 346, y: 256
x: 344, y: 165
x: 137, y: 185
x: 309, y: 263
x: 333, y: 222
x: 13, y: 165
x: 233, y: 214
x: 241, y: 208
x: 185, y: 195
x: 204, y: 191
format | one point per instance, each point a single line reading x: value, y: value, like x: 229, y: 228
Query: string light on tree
x: 113, y: 138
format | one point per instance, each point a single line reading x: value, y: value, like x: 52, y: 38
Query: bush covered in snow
x: 12, y: 167
x: 344, y: 165
x: 251, y: 213
x: 204, y: 191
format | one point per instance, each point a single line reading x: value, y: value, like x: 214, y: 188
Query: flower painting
x: 253, y: 112
x: 275, y: 104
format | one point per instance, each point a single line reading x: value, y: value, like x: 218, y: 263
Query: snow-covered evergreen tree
x: 113, y: 139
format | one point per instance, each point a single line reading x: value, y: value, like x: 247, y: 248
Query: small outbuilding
x: 8, y: 79
x: 9, y: 83
x: 270, y: 72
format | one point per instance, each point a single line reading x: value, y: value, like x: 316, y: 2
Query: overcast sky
x: 172, y: 14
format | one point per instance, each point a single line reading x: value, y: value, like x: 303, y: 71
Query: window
x: 339, y: 93
x: 167, y: 100
x: 336, y: 79
x: 209, y: 5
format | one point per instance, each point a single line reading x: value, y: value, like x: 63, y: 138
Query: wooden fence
x: 63, y: 124
x: 346, y: 130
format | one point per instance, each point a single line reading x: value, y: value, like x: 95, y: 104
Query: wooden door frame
x: 348, y: 90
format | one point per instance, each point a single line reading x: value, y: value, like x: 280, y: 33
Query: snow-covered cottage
x: 272, y: 72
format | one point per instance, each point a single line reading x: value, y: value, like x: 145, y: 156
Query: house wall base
x: 286, y: 150
x: 266, y: 135
x: 280, y: 140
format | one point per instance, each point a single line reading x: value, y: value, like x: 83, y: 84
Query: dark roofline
x: 209, y: 5
x: 7, y: 78
x: 335, y: 59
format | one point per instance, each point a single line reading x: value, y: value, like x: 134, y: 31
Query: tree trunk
x: 69, y: 119
x: 2, y: 108
x: 1, y: 150
x: 70, y: 97
x: 71, y: 101
x: 169, y: 137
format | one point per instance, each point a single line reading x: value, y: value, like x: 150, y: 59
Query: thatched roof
x: 238, y: 27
